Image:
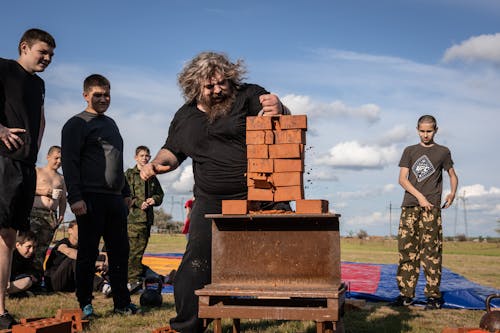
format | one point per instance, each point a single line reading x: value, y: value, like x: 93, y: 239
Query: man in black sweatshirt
x: 92, y: 161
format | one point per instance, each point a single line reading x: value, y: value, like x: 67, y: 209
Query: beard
x: 218, y: 105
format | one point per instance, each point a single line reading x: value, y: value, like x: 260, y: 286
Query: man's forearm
x: 165, y: 157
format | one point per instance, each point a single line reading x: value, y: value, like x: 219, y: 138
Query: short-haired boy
x: 92, y: 161
x: 23, y: 274
x: 144, y: 195
x: 22, y: 123
x: 420, y: 235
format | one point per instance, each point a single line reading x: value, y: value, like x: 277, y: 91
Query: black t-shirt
x: 21, y: 100
x: 218, y: 149
x: 22, y: 265
x: 56, y: 258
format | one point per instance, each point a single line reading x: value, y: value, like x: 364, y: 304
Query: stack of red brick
x: 275, y: 153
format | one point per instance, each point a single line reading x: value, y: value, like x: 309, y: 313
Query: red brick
x: 75, y: 315
x: 288, y: 165
x: 258, y: 180
x: 257, y: 151
x: 260, y: 165
x: 234, y: 207
x: 257, y: 175
x: 286, y: 150
x: 269, y: 138
x: 293, y: 121
x: 311, y: 206
x: 259, y: 123
x: 46, y: 325
x: 276, y: 123
x: 286, y: 179
x: 256, y: 137
x: 290, y: 136
x: 260, y: 194
x: 287, y: 193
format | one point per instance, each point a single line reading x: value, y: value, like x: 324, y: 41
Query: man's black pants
x: 195, y: 269
x: 107, y: 217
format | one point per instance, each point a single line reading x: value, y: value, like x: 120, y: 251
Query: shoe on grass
x: 434, y: 303
x: 402, y: 301
x: 130, y: 309
x: 134, y: 287
x: 106, y: 290
x: 6, y: 320
x: 88, y: 312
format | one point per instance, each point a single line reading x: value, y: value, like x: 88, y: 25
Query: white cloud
x: 478, y: 48
x: 304, y: 105
x: 399, y: 133
x: 353, y: 155
x: 477, y: 190
x: 184, y: 184
x: 367, y: 193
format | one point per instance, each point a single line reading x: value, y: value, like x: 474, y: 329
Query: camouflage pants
x: 43, y: 223
x: 138, y: 236
x: 420, y: 241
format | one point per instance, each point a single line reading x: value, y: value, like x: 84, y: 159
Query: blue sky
x: 363, y: 72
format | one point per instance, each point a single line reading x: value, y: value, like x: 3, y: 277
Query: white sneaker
x: 106, y: 289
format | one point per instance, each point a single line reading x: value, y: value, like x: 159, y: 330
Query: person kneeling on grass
x: 24, y: 275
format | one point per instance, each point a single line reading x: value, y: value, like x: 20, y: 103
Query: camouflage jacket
x: 138, y: 189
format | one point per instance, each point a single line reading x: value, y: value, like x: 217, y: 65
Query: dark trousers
x: 107, y: 218
x: 17, y: 192
x: 62, y: 277
x: 195, y: 269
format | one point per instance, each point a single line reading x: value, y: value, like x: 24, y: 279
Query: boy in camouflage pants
x: 145, y: 195
x: 420, y: 238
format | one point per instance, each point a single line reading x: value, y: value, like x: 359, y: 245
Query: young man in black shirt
x: 22, y: 123
x: 210, y: 128
x: 99, y: 196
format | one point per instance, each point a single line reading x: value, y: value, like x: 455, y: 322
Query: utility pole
x: 464, y: 206
x: 465, y: 215
x: 390, y: 219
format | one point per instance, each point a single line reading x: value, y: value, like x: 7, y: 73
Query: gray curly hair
x: 203, y: 67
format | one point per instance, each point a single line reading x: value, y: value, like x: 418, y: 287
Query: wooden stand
x: 282, y: 267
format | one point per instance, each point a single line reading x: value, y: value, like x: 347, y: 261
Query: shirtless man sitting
x: 49, y: 205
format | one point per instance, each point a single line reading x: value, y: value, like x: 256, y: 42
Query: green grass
x: 476, y: 261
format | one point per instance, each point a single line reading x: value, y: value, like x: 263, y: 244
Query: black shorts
x: 17, y: 192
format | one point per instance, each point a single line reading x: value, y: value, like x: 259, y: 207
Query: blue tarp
x: 377, y: 282
x: 458, y: 292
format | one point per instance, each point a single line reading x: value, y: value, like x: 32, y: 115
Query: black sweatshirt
x: 92, y: 156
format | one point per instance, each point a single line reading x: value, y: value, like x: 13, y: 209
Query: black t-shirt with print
x: 426, y: 165
x: 218, y: 149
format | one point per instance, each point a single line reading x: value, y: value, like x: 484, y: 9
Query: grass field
x: 476, y: 261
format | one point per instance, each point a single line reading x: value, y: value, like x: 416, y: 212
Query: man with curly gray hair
x: 210, y: 128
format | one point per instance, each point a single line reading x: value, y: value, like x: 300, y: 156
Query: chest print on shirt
x: 423, y: 168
